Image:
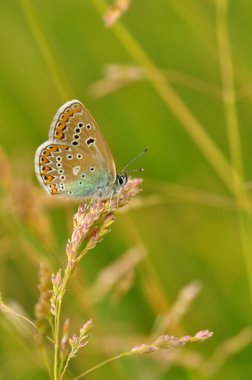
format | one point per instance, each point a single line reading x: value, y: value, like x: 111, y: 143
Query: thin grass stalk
x: 66, y: 277
x: 163, y: 342
x: 202, y: 21
x: 228, y: 91
x: 229, y: 100
x: 54, y: 68
x: 101, y: 364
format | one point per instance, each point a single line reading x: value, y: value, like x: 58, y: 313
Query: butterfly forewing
x: 76, y: 161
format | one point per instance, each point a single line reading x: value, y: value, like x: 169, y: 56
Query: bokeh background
x: 172, y: 75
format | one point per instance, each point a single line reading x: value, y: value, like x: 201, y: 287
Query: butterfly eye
x: 122, y: 179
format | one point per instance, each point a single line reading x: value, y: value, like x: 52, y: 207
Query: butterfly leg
x: 110, y: 200
x: 118, y: 198
x: 92, y: 201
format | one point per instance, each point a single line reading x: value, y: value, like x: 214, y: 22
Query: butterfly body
x: 76, y: 160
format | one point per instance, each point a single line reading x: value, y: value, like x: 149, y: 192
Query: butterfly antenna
x: 133, y: 160
x: 135, y: 170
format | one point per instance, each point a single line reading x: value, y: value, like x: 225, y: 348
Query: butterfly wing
x: 76, y: 161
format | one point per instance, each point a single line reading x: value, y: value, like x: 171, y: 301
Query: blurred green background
x: 172, y: 75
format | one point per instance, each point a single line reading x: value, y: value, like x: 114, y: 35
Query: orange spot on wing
x: 60, y: 135
x: 44, y: 160
x: 45, y: 169
x: 61, y: 127
x: 64, y: 118
x: 54, y: 148
x: 66, y: 115
x: 48, y: 178
x: 46, y: 153
x: 54, y: 189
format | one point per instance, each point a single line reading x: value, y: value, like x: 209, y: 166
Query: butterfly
x: 76, y: 160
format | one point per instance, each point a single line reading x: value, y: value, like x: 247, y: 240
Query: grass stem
x: 229, y: 101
